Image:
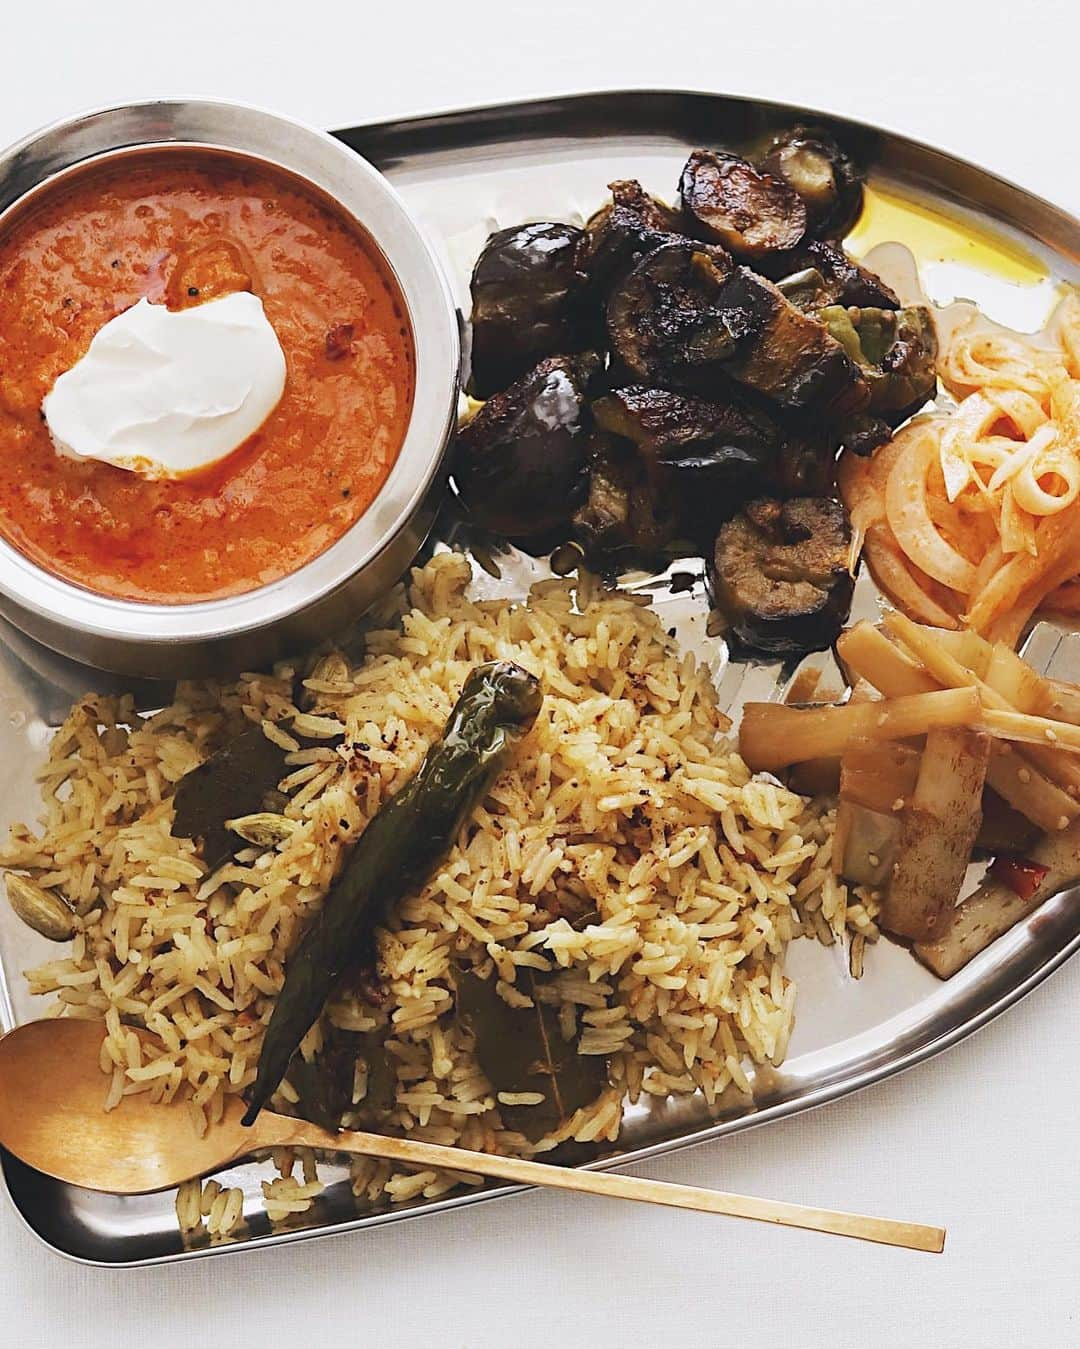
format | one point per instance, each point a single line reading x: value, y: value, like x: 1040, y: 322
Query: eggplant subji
x: 779, y: 574
x: 631, y: 224
x: 746, y: 347
x: 523, y: 302
x: 521, y: 464
x: 726, y: 200
x: 828, y: 181
x: 396, y: 854
x: 897, y: 352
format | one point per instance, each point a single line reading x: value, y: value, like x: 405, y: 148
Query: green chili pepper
x: 396, y: 854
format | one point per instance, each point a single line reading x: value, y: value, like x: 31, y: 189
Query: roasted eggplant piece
x: 820, y: 273
x: 702, y: 459
x: 726, y: 200
x: 784, y: 354
x: 779, y: 574
x: 663, y: 320
x: 672, y: 466
x: 631, y: 224
x: 897, y: 352
x: 685, y: 318
x: 709, y: 456
x: 520, y: 465
x: 864, y: 434
x: 622, y: 514
x: 826, y: 178
x: 523, y: 302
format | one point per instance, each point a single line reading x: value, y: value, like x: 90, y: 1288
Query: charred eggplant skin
x: 684, y: 317
x: 673, y: 465
x: 524, y: 302
x: 521, y: 464
x: 701, y: 459
x: 839, y: 279
x: 865, y: 434
x: 824, y: 175
x: 784, y: 354
x: 779, y: 575
x: 805, y: 467
x: 631, y: 224
x: 726, y: 200
x: 622, y: 516
x: 662, y: 318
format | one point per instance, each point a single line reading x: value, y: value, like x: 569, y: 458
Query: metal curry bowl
x: 208, y: 637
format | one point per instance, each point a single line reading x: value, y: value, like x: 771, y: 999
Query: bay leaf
x: 522, y: 1049
x: 235, y: 781
x: 324, y: 1084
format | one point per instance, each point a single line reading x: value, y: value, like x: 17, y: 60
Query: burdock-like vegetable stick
x: 773, y: 736
x: 996, y: 906
x: 866, y: 652
x: 396, y: 854
x: 1043, y: 734
x: 1020, y: 783
x: 938, y: 827
x: 1064, y: 701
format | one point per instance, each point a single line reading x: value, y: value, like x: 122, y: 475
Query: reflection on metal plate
x: 466, y: 174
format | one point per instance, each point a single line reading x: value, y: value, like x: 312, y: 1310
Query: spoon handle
x: 280, y: 1131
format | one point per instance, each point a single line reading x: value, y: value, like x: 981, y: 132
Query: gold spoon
x: 51, y: 1116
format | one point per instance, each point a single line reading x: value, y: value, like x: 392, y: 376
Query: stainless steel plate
x: 466, y: 174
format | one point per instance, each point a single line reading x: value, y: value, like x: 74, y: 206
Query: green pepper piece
x: 837, y: 321
x: 397, y: 852
x: 896, y: 350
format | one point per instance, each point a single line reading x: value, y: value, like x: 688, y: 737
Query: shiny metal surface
x: 462, y: 175
x: 245, y: 630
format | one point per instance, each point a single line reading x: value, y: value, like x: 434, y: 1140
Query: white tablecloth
x: 983, y: 1139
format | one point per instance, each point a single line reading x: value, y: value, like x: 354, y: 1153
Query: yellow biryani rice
x: 625, y: 850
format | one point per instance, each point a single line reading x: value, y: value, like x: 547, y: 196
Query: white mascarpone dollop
x: 165, y: 392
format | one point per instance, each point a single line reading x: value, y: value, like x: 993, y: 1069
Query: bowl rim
x: 360, y: 192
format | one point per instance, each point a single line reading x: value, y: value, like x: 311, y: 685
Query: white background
x: 984, y: 1139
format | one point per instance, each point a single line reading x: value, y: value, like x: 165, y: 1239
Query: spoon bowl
x: 53, y: 1117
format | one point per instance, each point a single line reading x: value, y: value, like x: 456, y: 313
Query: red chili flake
x: 1020, y: 874
x: 339, y: 341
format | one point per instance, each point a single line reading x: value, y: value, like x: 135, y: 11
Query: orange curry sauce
x: 181, y: 227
